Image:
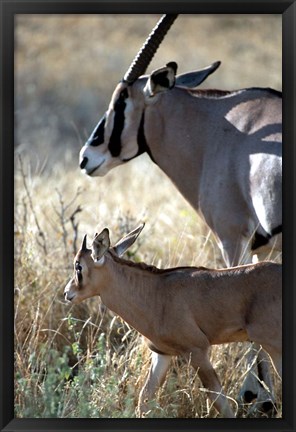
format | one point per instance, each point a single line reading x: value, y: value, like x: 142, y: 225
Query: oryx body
x: 221, y: 149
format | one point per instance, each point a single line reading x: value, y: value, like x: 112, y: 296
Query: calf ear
x: 83, y: 246
x: 161, y: 79
x: 122, y: 245
x: 100, y: 245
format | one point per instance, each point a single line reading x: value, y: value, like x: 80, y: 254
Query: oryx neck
x: 141, y: 141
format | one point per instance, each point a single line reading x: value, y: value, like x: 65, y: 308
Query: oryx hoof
x: 265, y: 408
x: 248, y: 396
x: 268, y: 407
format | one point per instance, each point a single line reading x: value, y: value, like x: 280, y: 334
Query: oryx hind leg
x: 276, y: 358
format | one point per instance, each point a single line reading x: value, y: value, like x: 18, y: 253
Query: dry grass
x: 63, y: 352
x: 81, y: 361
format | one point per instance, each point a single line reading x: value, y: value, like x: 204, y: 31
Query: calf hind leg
x: 210, y: 380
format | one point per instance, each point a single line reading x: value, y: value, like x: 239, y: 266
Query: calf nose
x: 84, y: 162
x: 68, y: 297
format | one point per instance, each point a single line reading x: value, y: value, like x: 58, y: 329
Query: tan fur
x: 183, y: 311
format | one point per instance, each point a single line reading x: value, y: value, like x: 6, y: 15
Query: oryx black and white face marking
x: 118, y: 137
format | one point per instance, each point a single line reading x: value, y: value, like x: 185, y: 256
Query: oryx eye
x: 124, y: 94
x: 120, y: 103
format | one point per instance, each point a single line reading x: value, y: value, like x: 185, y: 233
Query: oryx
x: 222, y: 149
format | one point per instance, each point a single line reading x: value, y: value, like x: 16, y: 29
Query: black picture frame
x: 9, y: 8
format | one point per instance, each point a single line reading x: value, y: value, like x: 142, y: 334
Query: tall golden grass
x: 82, y: 361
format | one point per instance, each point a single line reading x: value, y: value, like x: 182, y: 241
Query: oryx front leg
x: 258, y: 384
x: 265, y: 399
x: 249, y: 390
x: 210, y: 381
x: 156, y: 376
x: 234, y: 251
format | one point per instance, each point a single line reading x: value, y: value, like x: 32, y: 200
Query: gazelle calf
x: 184, y: 310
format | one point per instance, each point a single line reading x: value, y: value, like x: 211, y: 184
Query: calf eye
x: 78, y: 267
x: 78, y: 270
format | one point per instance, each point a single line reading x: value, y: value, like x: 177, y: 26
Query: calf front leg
x: 156, y: 376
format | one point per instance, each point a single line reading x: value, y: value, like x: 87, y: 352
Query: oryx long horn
x: 145, y: 55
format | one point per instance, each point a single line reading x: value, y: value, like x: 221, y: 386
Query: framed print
x: 142, y: 237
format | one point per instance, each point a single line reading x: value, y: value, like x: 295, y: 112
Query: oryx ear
x: 122, y: 245
x: 195, y: 78
x: 100, y: 245
x: 161, y: 79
